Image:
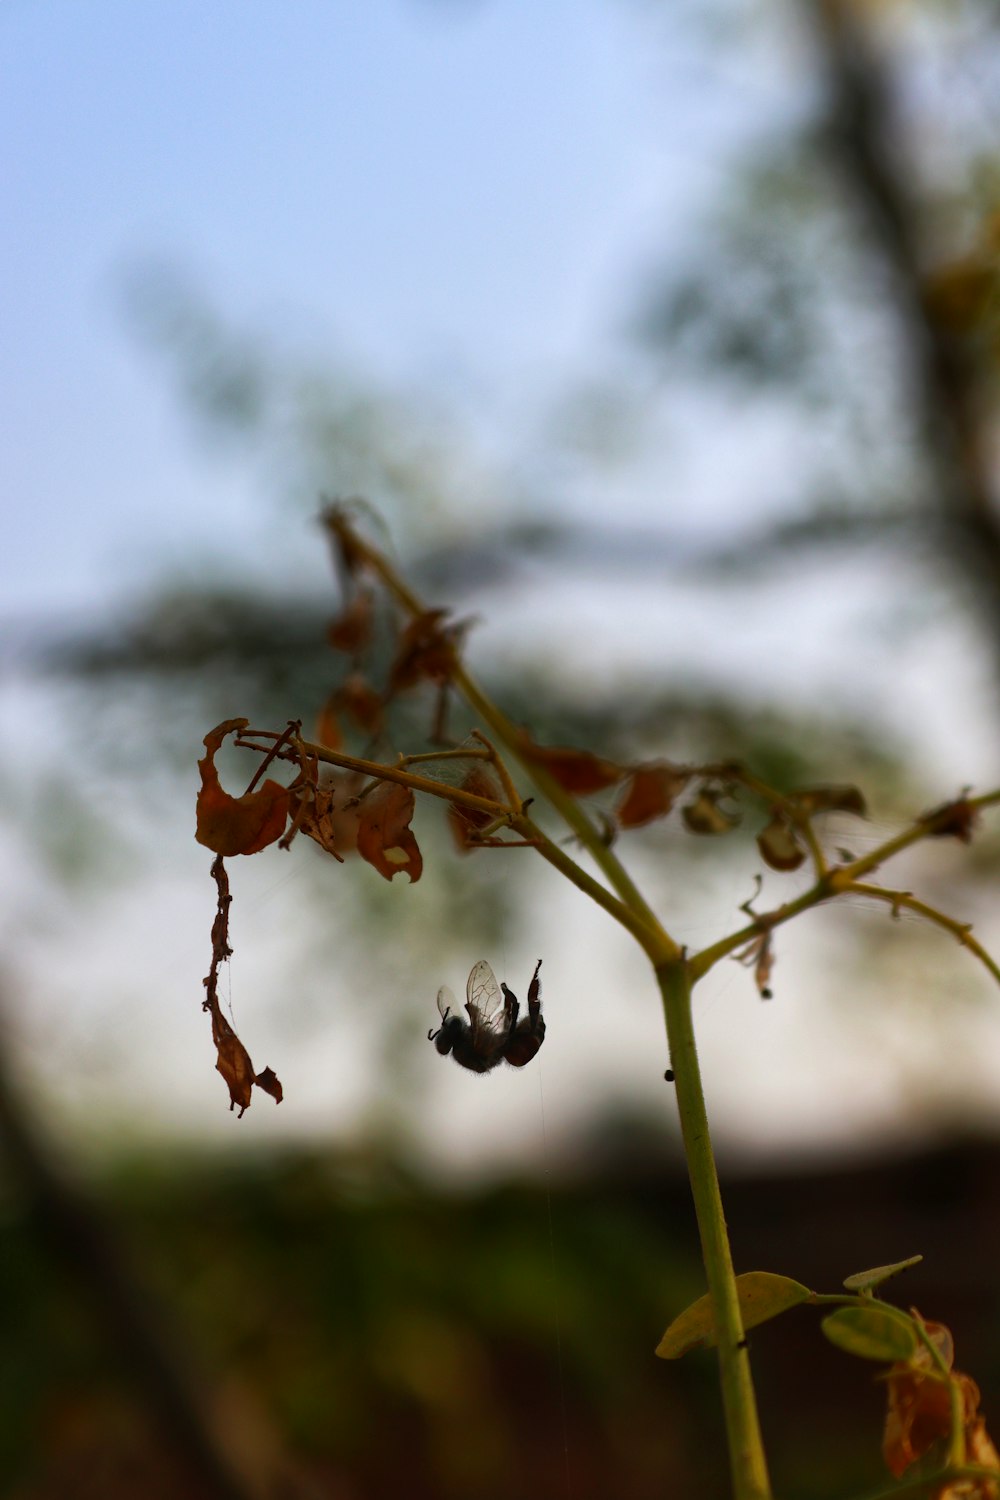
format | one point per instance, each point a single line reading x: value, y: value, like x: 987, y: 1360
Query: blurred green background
x: 662, y: 341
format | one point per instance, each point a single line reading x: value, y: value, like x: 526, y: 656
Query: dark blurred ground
x: 358, y: 1334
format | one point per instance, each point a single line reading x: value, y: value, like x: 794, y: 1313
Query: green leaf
x: 871, y: 1332
x: 865, y: 1281
x: 762, y: 1295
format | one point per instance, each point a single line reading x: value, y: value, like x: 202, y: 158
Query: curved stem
x: 746, y: 1449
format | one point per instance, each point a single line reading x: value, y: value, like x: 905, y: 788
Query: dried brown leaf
x: 779, y: 845
x: 651, y: 792
x: 351, y: 631
x: 577, y: 771
x: 385, y: 839
x: 237, y: 825
x: 426, y: 651
x: 465, y: 821
x: 232, y: 1058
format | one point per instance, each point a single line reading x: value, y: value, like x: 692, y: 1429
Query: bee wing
x: 485, y: 1002
x: 446, y: 1002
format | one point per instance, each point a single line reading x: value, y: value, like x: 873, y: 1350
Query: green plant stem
x: 746, y: 1449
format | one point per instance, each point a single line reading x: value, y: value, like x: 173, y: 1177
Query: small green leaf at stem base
x: 762, y: 1295
x: 871, y: 1332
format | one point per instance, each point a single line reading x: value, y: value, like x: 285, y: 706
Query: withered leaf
x: 779, y: 845
x: 232, y: 1058
x: 351, y: 631
x: 237, y: 825
x: 329, y: 813
x: 268, y: 1081
x: 233, y: 1062
x: 328, y: 731
x: 650, y: 792
x: 426, y: 651
x: 357, y: 698
x: 385, y: 839
x: 576, y: 771
x: 464, y: 821
x: 819, y: 799
x: 919, y: 1416
x: 704, y: 815
x: 952, y: 820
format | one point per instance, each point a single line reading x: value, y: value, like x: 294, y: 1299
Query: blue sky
x: 454, y: 192
x: 409, y: 185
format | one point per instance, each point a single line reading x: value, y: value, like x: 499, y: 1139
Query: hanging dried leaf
x: 232, y: 1058
x: 819, y: 799
x: 384, y: 836
x: 779, y: 846
x: 576, y: 771
x: 351, y: 631
x: 704, y: 815
x: 237, y: 825
x: 465, y: 821
x: 426, y: 651
x: 651, y: 792
x: 919, y: 1415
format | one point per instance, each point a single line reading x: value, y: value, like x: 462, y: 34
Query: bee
x: 493, y: 1033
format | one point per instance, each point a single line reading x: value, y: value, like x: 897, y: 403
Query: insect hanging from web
x: 493, y: 1033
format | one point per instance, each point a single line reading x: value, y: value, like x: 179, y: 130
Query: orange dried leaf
x: 237, y: 825
x: 328, y: 725
x: 576, y: 771
x: 464, y: 821
x: 650, y: 792
x: 357, y: 698
x: 779, y: 846
x: 385, y: 839
x: 919, y: 1415
x: 351, y: 631
x: 426, y: 651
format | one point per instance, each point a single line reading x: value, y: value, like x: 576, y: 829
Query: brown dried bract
x: 385, y: 839
x: 237, y: 825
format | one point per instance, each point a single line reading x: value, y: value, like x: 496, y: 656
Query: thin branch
x: 961, y: 931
